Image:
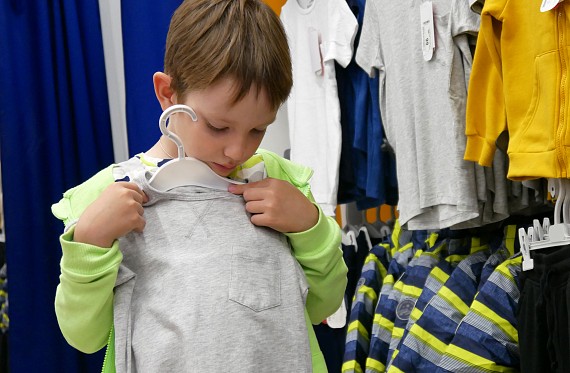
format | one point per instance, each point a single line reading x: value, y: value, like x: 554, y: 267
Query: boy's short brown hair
x: 241, y: 39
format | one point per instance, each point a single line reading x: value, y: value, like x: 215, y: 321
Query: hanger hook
x: 565, y: 184
x: 557, y: 190
x: 164, y: 117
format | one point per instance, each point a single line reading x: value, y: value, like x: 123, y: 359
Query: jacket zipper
x: 561, y: 121
x: 104, y: 368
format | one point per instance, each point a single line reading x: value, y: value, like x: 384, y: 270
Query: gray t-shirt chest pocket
x: 255, y: 279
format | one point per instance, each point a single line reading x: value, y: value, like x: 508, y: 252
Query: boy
x: 229, y: 61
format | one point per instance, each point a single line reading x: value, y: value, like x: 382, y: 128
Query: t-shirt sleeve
x: 368, y: 51
x: 342, y: 28
x: 463, y: 19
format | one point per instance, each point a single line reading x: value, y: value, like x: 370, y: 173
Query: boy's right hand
x: 116, y: 212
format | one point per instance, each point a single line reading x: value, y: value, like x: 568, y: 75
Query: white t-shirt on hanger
x: 319, y: 32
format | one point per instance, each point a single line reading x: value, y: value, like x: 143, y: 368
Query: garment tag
x: 428, y: 39
x: 315, y: 51
x: 549, y: 5
x: 338, y: 319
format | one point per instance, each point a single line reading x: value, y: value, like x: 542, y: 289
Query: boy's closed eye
x: 222, y: 129
x: 214, y: 128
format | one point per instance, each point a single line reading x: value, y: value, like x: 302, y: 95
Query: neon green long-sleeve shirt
x: 84, y: 296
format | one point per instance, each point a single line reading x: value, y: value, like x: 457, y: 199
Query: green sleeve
x: 84, y: 296
x: 318, y: 252
x: 76, y: 200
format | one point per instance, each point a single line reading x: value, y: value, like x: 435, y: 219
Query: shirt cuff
x: 85, y: 259
x: 316, y: 238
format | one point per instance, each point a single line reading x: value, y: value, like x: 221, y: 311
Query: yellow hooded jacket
x: 519, y: 83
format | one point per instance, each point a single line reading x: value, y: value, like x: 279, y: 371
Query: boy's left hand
x: 277, y: 204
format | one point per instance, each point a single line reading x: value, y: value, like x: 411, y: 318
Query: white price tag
x: 338, y: 319
x: 549, y: 5
x: 428, y: 37
x: 315, y: 51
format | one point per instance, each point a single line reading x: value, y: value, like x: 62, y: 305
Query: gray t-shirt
x: 422, y: 106
x: 204, y: 290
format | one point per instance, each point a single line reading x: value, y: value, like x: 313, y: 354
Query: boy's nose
x: 235, y: 150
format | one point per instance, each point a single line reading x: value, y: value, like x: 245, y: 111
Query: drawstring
x: 547, y: 304
x: 544, y: 283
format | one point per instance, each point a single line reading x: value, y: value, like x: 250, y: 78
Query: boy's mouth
x: 222, y: 168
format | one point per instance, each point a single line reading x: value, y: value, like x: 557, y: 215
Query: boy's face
x: 226, y: 133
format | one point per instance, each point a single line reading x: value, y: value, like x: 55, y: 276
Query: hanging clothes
x: 318, y: 34
x: 365, y: 300
x: 438, y: 322
x: 543, y: 318
x: 390, y: 293
x: 367, y: 171
x: 421, y: 119
x: 519, y: 85
x: 418, y: 323
x: 487, y: 337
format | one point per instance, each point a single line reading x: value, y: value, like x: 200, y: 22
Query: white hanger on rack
x: 184, y: 171
x: 546, y: 235
x: 363, y: 230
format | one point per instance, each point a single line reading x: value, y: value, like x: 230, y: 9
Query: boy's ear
x: 164, y: 93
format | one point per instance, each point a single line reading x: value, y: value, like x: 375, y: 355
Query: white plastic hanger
x: 546, y: 235
x: 349, y: 238
x: 184, y: 171
x: 364, y: 230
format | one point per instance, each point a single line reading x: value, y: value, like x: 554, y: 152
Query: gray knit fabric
x: 204, y: 290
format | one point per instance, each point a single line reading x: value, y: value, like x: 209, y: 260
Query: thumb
x: 240, y: 188
x: 237, y: 188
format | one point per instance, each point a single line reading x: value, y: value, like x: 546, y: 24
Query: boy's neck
x: 158, y: 151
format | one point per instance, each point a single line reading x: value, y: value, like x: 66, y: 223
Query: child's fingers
x: 241, y: 188
x: 140, y: 196
x: 252, y: 193
x: 255, y: 207
x: 261, y: 220
x: 236, y: 188
x: 141, y: 223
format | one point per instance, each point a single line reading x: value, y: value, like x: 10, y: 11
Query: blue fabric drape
x: 54, y: 133
x: 145, y: 25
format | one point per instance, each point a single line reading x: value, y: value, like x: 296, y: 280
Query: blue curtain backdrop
x: 54, y: 133
x: 145, y: 25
